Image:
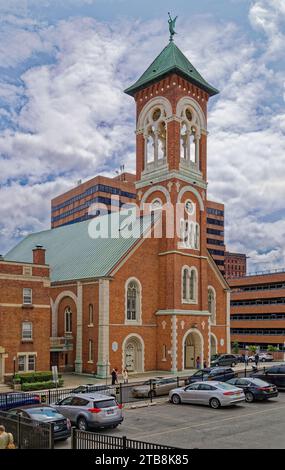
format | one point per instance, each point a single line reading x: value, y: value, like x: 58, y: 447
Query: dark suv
x: 274, y: 375
x: 221, y: 374
x: 224, y: 360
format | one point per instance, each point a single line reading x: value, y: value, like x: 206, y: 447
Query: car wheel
x: 249, y: 397
x: 250, y: 360
x: 263, y: 360
x: 82, y: 424
x: 215, y: 403
x: 233, y: 364
x: 176, y: 400
x: 114, y: 426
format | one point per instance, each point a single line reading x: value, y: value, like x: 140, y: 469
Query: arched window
x: 189, y: 234
x: 133, y: 301
x: 90, y: 315
x: 155, y: 137
x: 189, y: 285
x: 212, y: 304
x: 68, y: 320
x: 189, y: 137
x: 90, y: 350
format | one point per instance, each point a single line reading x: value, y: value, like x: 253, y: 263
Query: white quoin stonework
x: 174, y: 344
x: 78, y: 359
x: 103, y: 364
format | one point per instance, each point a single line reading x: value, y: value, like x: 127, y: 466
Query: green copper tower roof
x: 171, y: 59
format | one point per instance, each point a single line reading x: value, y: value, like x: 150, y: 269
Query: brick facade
x: 18, y: 353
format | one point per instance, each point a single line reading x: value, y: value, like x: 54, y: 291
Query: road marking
x: 207, y: 423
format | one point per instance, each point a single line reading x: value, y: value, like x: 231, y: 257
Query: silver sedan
x: 214, y: 394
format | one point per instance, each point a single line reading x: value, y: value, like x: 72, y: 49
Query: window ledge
x: 90, y: 325
x: 28, y: 340
x: 133, y: 322
x: 90, y: 362
x: 27, y: 306
x: 189, y: 302
x: 163, y: 360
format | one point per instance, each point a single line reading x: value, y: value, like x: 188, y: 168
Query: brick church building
x: 144, y: 301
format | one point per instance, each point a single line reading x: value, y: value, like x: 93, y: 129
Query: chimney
x: 39, y: 255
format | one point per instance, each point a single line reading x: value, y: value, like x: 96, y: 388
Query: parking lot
x: 256, y: 425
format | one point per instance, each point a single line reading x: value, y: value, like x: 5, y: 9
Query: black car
x: 274, y: 375
x: 224, y: 360
x: 34, y: 414
x: 222, y: 374
x: 255, y: 389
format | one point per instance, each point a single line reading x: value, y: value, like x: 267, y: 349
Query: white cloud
x: 75, y: 121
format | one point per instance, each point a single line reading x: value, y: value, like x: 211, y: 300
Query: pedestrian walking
x: 246, y: 359
x: 256, y: 359
x: 6, y: 439
x: 114, y: 376
x: 125, y: 376
x: 198, y: 362
x: 205, y: 364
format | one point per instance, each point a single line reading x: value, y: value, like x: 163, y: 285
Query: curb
x: 128, y: 406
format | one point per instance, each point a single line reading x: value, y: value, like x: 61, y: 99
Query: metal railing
x: 28, y: 433
x: 91, y: 440
x: 124, y: 393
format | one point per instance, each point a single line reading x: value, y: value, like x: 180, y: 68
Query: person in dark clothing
x: 256, y: 359
x: 114, y: 376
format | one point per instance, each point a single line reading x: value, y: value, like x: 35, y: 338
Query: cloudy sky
x: 63, y: 115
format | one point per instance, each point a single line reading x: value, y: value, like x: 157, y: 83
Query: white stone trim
x: 54, y: 308
x: 159, y: 101
x: 165, y: 175
x: 193, y: 330
x: 79, y: 329
x: 139, y: 319
x: 183, y: 312
x: 153, y: 189
x: 193, y: 190
x: 103, y: 364
x: 127, y: 338
x: 176, y: 252
x: 174, y: 344
x: 188, y: 101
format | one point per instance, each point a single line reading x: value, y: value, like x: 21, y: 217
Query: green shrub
x: 32, y: 377
x: 26, y: 387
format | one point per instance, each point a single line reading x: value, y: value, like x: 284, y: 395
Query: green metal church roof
x: 171, y: 59
x: 72, y: 254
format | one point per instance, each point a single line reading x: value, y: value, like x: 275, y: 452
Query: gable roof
x: 171, y: 59
x: 72, y: 254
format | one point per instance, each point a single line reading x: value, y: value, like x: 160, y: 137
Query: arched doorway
x: 214, y: 345
x: 192, y: 348
x: 133, y: 354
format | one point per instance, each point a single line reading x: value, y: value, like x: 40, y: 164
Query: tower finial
x: 171, y: 25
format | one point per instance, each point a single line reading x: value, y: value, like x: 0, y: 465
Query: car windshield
x: 43, y: 413
x: 224, y: 386
x: 215, y: 356
x: 104, y: 403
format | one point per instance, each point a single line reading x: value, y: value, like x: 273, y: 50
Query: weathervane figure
x: 171, y: 24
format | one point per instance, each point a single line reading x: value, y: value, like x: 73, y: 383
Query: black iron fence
x: 124, y: 393
x: 27, y: 433
x: 91, y: 440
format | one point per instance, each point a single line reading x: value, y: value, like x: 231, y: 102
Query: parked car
x: 86, y: 388
x: 155, y: 387
x: 224, y: 360
x: 221, y: 374
x: 214, y: 394
x: 91, y: 410
x: 254, y: 389
x: 42, y: 414
x: 274, y: 375
x: 16, y: 399
x: 263, y: 357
